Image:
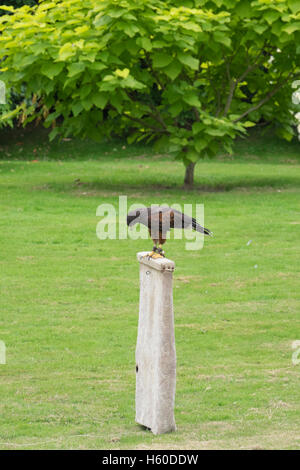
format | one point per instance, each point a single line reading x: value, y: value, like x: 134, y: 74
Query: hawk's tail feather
x: 201, y: 229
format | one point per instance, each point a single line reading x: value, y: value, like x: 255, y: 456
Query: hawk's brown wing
x: 185, y: 221
x: 160, y: 220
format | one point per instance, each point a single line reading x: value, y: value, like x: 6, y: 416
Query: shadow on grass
x: 239, y: 184
x: 84, y: 182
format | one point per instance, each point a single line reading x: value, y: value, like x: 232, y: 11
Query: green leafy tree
x: 188, y: 76
x: 11, y: 108
x: 19, y: 3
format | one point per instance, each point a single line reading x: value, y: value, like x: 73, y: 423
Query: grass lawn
x: 69, y: 302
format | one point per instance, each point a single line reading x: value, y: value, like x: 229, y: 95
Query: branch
x: 156, y: 116
x: 252, y: 66
x: 217, y: 92
x: 155, y: 75
x: 144, y: 123
x: 235, y: 82
x: 266, y: 98
x: 232, y: 85
x: 196, y: 114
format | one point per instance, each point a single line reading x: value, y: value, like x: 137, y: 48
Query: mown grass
x: 69, y: 302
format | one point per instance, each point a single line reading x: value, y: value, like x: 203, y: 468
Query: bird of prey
x: 159, y: 221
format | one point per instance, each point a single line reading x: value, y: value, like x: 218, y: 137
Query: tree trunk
x: 189, y: 174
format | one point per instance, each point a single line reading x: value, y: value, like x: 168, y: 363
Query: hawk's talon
x: 161, y: 252
x: 149, y: 255
x: 156, y: 256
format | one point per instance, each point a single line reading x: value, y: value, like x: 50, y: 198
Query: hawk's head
x: 133, y: 217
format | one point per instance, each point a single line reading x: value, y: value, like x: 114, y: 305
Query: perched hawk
x: 159, y: 221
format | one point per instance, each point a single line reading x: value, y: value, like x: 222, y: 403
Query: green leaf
x: 285, y: 134
x: 85, y: 90
x: 102, y: 20
x: 51, y: 70
x: 188, y: 60
x: 130, y: 82
x: 222, y: 38
x: 173, y: 70
x: 130, y: 29
x: 271, y: 16
x: 53, y: 133
x: 197, y: 127
x: 145, y: 43
x: 97, y: 66
x: 192, y: 156
x: 294, y: 6
x: 243, y: 9
x: 215, y: 132
x: 117, y: 102
x: 161, y: 59
x: 116, y: 13
x: 100, y: 100
x: 192, y: 99
x: 66, y: 51
x: 259, y: 28
x: 7, y: 8
x: 200, y: 144
x: 122, y: 73
x: 130, y: 45
x: 76, y: 68
x: 176, y: 108
x: 291, y: 28
x: 87, y: 102
x: 76, y: 108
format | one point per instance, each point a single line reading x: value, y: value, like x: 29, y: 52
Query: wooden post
x: 155, y: 350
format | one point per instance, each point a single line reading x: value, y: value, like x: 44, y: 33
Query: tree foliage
x: 20, y: 3
x: 187, y: 75
x: 11, y: 108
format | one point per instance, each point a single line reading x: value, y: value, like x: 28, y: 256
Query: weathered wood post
x: 155, y: 349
